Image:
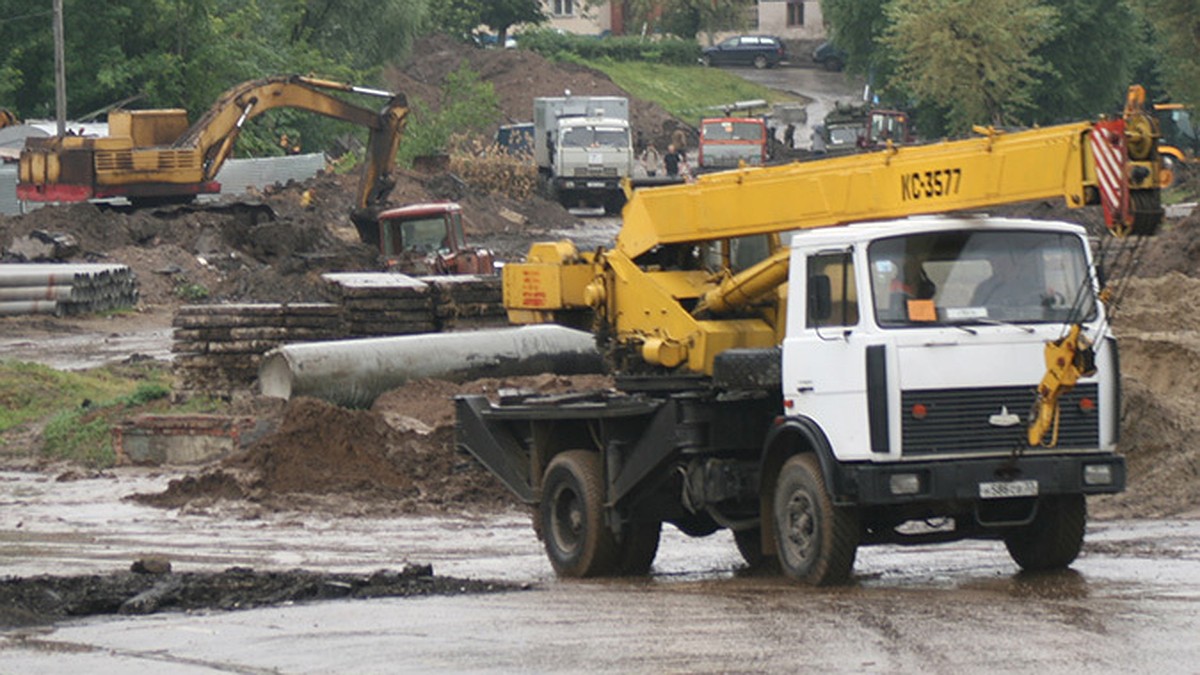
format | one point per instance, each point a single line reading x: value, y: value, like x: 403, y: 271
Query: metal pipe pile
x: 65, y: 288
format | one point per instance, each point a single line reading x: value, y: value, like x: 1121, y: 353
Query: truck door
x: 826, y: 354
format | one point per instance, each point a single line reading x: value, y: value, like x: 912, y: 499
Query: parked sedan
x: 760, y: 51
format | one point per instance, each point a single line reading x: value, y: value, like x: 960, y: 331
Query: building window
x: 795, y: 13
x: 564, y: 7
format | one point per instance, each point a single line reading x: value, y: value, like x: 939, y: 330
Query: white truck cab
x: 922, y: 340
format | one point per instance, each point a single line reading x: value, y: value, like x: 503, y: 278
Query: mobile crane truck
x: 868, y: 384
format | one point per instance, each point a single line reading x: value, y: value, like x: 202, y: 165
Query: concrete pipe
x: 352, y: 373
x: 14, y: 307
x: 56, y: 293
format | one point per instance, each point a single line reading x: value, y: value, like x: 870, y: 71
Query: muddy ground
x: 399, y: 457
x: 45, y: 599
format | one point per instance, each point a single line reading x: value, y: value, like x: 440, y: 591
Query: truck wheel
x: 816, y: 540
x: 638, y: 547
x: 1052, y: 541
x: 749, y: 544
x: 577, y: 541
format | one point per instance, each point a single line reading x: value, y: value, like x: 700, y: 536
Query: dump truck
x: 728, y: 142
x: 153, y: 156
x: 429, y: 238
x: 583, y: 149
x: 896, y: 374
x: 852, y: 128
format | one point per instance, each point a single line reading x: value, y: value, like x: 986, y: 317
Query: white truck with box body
x: 583, y: 148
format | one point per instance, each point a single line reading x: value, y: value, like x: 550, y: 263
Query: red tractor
x: 429, y: 239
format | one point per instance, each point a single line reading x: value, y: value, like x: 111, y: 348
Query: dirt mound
x: 47, y: 599
x: 399, y: 456
x: 270, y: 247
x: 519, y: 76
x: 1160, y: 415
x: 1155, y: 304
x: 1175, y: 249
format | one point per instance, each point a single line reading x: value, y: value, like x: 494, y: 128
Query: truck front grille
x: 966, y: 420
x: 596, y: 171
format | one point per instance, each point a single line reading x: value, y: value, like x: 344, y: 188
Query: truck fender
x: 790, y: 436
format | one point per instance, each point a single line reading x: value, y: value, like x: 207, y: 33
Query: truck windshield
x: 1012, y: 276
x: 595, y: 137
x: 423, y: 235
x: 844, y: 135
x: 734, y: 131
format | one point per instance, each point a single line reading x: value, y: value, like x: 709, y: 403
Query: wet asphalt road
x: 1130, y: 604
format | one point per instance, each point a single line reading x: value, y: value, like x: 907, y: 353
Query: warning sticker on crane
x: 1108, y: 152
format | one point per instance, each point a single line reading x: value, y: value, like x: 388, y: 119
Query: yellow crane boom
x: 673, y: 293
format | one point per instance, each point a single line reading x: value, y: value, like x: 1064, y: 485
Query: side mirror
x: 820, y: 298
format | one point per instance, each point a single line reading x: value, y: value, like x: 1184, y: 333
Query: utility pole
x: 60, y: 71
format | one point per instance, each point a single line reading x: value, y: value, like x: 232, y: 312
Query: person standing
x: 671, y: 160
x: 650, y: 160
x: 789, y: 136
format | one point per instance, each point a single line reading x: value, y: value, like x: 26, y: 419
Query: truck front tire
x: 577, y: 541
x: 1053, y: 540
x: 815, y: 540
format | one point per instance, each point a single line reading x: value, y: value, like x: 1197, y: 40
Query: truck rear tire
x: 578, y: 542
x: 638, y: 548
x: 1053, y: 540
x: 815, y: 540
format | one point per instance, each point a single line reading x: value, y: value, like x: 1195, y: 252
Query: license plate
x: 596, y: 183
x: 1012, y: 488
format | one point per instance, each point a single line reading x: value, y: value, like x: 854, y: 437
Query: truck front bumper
x: 588, y: 183
x: 865, y: 484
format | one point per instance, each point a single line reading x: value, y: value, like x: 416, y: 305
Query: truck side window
x: 833, y: 297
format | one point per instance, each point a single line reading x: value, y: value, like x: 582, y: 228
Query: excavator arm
x: 214, y: 134
x: 151, y: 155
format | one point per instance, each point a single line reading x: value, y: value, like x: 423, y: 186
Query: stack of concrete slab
x: 467, y: 302
x: 218, y: 348
x: 66, y: 288
x: 376, y: 304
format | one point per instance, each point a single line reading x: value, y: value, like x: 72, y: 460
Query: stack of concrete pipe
x: 376, y: 304
x: 218, y: 348
x: 467, y: 302
x: 65, y: 288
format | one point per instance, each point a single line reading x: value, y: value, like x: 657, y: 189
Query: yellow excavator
x: 154, y: 156
x: 904, y: 370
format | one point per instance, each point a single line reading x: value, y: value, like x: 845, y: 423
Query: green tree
x: 975, y: 56
x: 1176, y: 39
x: 461, y: 17
x: 468, y: 105
x: 857, y: 26
x: 1090, y: 34
x: 364, y: 34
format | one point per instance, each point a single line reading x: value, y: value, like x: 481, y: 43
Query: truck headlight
x: 904, y: 483
x: 1097, y: 474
